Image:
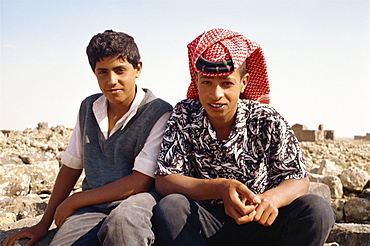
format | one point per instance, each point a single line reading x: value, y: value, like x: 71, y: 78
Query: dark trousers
x: 181, y: 221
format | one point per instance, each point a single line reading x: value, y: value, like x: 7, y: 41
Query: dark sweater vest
x: 106, y: 160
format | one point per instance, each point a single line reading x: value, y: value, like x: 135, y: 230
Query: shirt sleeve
x: 72, y: 157
x: 175, y: 154
x: 287, y: 157
x: 146, y: 160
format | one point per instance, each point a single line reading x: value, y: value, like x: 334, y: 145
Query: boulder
x: 357, y: 210
x: 338, y: 208
x: 6, y: 230
x: 328, y: 167
x: 320, y: 189
x: 335, y: 185
x: 14, y: 180
x: 350, y: 234
x: 354, y: 179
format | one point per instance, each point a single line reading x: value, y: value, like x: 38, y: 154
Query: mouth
x: 114, y: 91
x: 216, y: 105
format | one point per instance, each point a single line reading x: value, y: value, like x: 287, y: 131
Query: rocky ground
x: 30, y: 160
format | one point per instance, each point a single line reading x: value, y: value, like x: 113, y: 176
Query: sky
x: 317, y: 54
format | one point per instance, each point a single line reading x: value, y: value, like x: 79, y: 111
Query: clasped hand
x: 244, y: 206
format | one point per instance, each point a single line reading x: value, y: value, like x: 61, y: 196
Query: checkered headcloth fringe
x: 220, y: 44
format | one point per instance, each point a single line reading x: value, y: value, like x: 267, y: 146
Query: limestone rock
x: 14, y: 180
x: 320, y: 189
x: 365, y: 193
x: 21, y: 207
x: 357, y: 210
x: 335, y: 186
x: 350, y: 234
x: 327, y: 167
x: 6, y: 230
x: 354, y: 179
x: 338, y: 208
x: 318, y: 178
x: 43, y: 176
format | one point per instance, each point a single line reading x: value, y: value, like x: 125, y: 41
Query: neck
x: 115, y: 112
x: 223, y: 128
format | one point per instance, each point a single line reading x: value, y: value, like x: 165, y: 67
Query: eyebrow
x: 118, y: 67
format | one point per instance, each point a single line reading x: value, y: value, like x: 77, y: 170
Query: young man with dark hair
x: 230, y: 168
x: 116, y: 142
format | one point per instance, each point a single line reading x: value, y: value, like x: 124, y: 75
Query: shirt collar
x: 238, y: 127
x: 100, y: 109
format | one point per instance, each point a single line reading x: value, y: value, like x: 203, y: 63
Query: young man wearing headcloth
x: 230, y: 168
x: 116, y: 141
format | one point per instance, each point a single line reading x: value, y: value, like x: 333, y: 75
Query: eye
x: 120, y: 70
x: 205, y: 82
x: 228, y: 83
x: 101, y: 72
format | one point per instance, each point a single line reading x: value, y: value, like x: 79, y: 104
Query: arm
x: 140, y: 180
x: 229, y: 190
x: 286, y: 166
x: 128, y: 185
x: 64, y: 184
x: 280, y: 196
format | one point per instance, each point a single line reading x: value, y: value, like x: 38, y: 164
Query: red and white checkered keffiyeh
x: 220, y: 44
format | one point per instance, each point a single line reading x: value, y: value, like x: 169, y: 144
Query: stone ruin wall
x: 305, y: 135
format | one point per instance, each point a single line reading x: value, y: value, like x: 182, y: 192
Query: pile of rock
x: 29, y: 164
x: 30, y: 160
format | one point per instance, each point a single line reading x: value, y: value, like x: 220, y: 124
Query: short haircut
x: 243, y: 69
x: 112, y: 43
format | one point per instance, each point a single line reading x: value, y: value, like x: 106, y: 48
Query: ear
x: 244, y: 81
x: 138, y: 69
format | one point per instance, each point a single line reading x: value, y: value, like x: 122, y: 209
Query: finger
x: 246, y: 218
x: 31, y: 242
x: 231, y: 211
x: 56, y: 221
x: 266, y: 214
x: 12, y: 238
x: 268, y: 220
x: 260, y: 209
x: 249, y: 195
x: 271, y: 219
x: 236, y: 215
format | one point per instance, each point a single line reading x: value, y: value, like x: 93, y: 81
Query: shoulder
x: 91, y: 98
x: 150, y: 100
x: 88, y: 102
x: 188, y: 113
x: 259, y: 110
x: 188, y: 106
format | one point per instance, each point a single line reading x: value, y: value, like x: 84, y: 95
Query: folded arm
x: 280, y: 196
x: 229, y: 190
x: 116, y: 190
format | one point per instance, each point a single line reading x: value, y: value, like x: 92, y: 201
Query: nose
x: 112, y: 79
x: 217, y: 92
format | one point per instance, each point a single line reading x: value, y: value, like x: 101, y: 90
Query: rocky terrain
x: 30, y: 160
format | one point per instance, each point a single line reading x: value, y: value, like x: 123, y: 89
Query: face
x: 116, y: 78
x: 219, y: 95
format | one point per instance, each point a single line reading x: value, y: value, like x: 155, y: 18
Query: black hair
x: 243, y: 69
x: 112, y: 43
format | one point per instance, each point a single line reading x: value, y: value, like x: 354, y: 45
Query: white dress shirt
x: 145, y: 161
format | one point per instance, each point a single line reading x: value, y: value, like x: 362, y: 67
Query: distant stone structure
x: 364, y: 138
x: 305, y: 135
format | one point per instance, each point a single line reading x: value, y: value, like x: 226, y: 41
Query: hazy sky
x: 317, y: 55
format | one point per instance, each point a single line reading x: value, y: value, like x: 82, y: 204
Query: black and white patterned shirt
x: 261, y: 150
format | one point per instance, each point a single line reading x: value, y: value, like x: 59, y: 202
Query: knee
x: 318, y: 208
x: 171, y: 205
x: 136, y: 207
